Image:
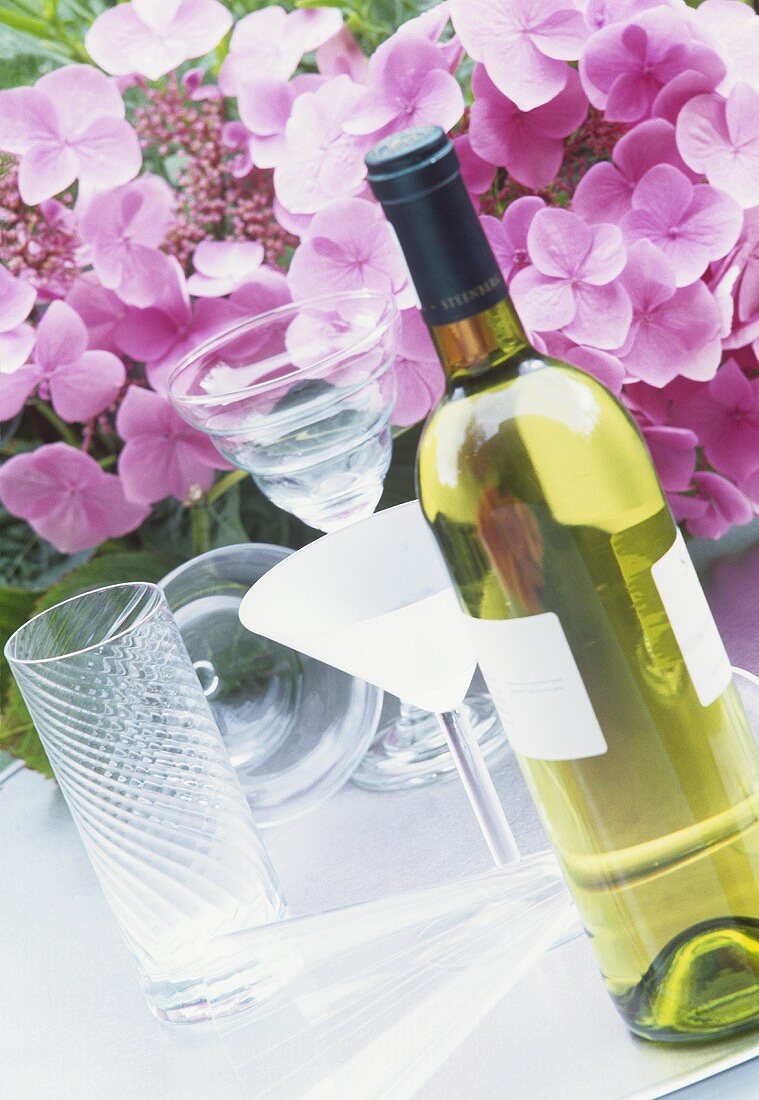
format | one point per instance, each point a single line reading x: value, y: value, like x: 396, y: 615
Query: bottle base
x: 704, y: 985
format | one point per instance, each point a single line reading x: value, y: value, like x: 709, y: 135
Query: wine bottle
x: 591, y: 629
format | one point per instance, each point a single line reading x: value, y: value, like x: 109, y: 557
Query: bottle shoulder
x: 551, y: 435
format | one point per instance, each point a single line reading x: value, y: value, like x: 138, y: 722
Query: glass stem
x: 479, y: 788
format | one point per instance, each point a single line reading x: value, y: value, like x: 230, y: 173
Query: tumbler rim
x: 157, y: 600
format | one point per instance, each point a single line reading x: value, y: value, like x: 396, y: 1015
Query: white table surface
x: 74, y: 1024
x: 76, y: 1027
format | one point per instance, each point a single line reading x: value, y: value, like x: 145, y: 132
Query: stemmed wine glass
x: 301, y: 398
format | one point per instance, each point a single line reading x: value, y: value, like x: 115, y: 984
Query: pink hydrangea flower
x: 725, y: 415
x: 673, y: 331
x: 349, y: 247
x: 600, y: 13
x: 162, y: 455
x: 321, y: 161
x: 523, y: 44
x: 172, y: 327
x: 419, y: 378
x: 269, y: 44
x: 717, y: 506
x: 604, y: 194
x: 69, y: 126
x: 571, y: 282
x: 692, y: 225
x: 152, y: 37
x: 527, y: 143
x: 16, y: 337
x: 101, y: 310
x: 750, y: 489
x: 80, y: 383
x: 124, y: 227
x: 476, y: 173
x: 734, y: 31
x: 674, y: 453
x: 223, y: 266
x: 674, y: 95
x: 163, y: 332
x: 408, y: 85
x: 625, y: 65
x: 262, y: 291
x: 604, y: 367
x: 508, y: 237
x: 265, y: 107
x: 721, y: 139
x: 739, y: 273
x: 192, y: 81
x: 341, y: 55
x: 430, y: 24
x: 65, y: 497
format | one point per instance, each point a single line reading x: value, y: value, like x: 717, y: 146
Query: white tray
x: 79, y: 1028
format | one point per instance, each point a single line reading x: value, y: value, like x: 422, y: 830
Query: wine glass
x: 375, y: 600
x: 301, y: 398
x: 373, y: 998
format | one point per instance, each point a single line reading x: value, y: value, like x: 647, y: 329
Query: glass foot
x: 411, y: 750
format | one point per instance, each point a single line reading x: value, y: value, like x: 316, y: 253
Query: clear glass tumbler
x: 141, y: 764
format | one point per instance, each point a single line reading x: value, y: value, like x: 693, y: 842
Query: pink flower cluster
x: 629, y: 127
x: 650, y: 279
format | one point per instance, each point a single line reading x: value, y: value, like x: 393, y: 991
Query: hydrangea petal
x: 542, y: 304
x: 726, y: 506
x: 119, y: 42
x: 44, y: 171
x: 15, y: 348
x: 508, y: 237
x: 605, y: 368
x: 80, y: 93
x: 602, y: 195
x: 83, y: 389
x: 674, y: 453
x: 15, y: 386
x: 606, y: 258
x: 108, y: 153
x: 61, y: 337
x: 26, y: 118
x: 17, y: 298
x: 558, y: 242
x: 602, y: 316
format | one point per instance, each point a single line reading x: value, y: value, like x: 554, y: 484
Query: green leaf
x: 27, y: 561
x: 17, y: 733
x: 400, y: 482
x: 135, y: 565
x: 16, y: 606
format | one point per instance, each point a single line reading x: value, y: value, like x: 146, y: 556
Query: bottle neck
x: 474, y: 345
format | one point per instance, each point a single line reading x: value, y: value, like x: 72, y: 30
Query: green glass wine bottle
x: 591, y: 629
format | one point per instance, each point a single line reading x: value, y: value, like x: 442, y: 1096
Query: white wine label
x: 536, y: 687
x: 692, y: 623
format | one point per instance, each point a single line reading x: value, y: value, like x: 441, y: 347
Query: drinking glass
x: 301, y: 397
x: 294, y: 728
x: 139, y: 759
